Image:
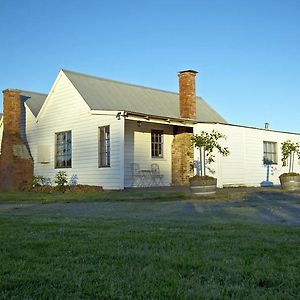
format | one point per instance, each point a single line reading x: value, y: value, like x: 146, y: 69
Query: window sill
x: 62, y: 167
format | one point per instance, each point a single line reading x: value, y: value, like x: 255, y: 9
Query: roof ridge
x: 25, y: 91
x: 120, y: 82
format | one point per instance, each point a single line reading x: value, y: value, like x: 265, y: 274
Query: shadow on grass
x: 227, y: 206
x: 153, y: 194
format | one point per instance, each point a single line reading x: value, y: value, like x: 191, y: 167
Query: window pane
x: 157, y: 143
x: 63, y: 149
x: 270, y: 152
x: 104, y: 146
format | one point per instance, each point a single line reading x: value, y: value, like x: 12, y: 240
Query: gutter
x: 149, y: 118
x: 249, y: 127
x: 136, y: 116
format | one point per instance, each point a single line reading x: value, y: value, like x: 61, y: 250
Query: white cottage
x: 110, y: 133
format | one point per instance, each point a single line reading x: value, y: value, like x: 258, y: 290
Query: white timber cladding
x: 138, y: 149
x: 66, y: 110
x: 244, y: 166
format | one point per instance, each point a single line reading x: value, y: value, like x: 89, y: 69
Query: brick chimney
x: 182, y: 152
x: 187, y: 95
x: 16, y: 164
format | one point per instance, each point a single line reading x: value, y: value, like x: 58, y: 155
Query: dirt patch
x: 258, y: 208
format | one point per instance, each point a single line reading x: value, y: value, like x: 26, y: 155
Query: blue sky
x: 247, y: 53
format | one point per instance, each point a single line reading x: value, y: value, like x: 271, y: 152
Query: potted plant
x: 206, y: 143
x: 291, y: 180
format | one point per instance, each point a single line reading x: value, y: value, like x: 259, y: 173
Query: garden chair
x: 137, y: 177
x: 156, y: 176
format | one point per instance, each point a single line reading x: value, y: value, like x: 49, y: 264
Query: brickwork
x: 182, y: 150
x: 187, y: 95
x: 182, y: 159
x: 16, y: 164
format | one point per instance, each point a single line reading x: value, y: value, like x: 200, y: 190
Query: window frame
x: 65, y: 147
x: 107, y: 147
x: 267, y: 153
x: 157, y: 146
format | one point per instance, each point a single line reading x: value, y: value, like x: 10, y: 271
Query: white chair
x: 156, y: 176
x: 137, y: 177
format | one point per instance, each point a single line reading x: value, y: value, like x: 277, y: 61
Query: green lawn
x: 56, y: 197
x: 132, y: 195
x: 65, y: 257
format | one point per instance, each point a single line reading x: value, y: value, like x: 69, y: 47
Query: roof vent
x: 267, y: 125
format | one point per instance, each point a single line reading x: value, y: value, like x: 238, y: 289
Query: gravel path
x: 272, y: 208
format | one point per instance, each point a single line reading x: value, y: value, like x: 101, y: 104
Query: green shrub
x: 73, y: 180
x: 37, y: 180
x: 61, y: 179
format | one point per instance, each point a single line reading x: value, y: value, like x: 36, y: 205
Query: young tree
x: 288, y: 151
x: 206, y: 143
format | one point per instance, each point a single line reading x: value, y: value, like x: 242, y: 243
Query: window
x: 270, y: 153
x: 157, y: 143
x: 63, y: 146
x: 104, y: 146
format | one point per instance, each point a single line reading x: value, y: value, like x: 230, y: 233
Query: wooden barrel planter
x: 290, y: 181
x: 203, y: 185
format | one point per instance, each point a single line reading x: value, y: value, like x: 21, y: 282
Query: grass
x: 132, y: 195
x: 68, y: 258
x: 56, y: 197
x: 213, y: 254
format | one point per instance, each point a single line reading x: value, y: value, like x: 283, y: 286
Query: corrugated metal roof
x: 34, y: 100
x: 104, y: 94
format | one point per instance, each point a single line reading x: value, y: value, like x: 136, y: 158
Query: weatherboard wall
x: 65, y: 110
x: 244, y: 166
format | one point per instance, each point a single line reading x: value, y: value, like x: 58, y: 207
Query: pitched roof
x: 104, y: 94
x: 34, y: 100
